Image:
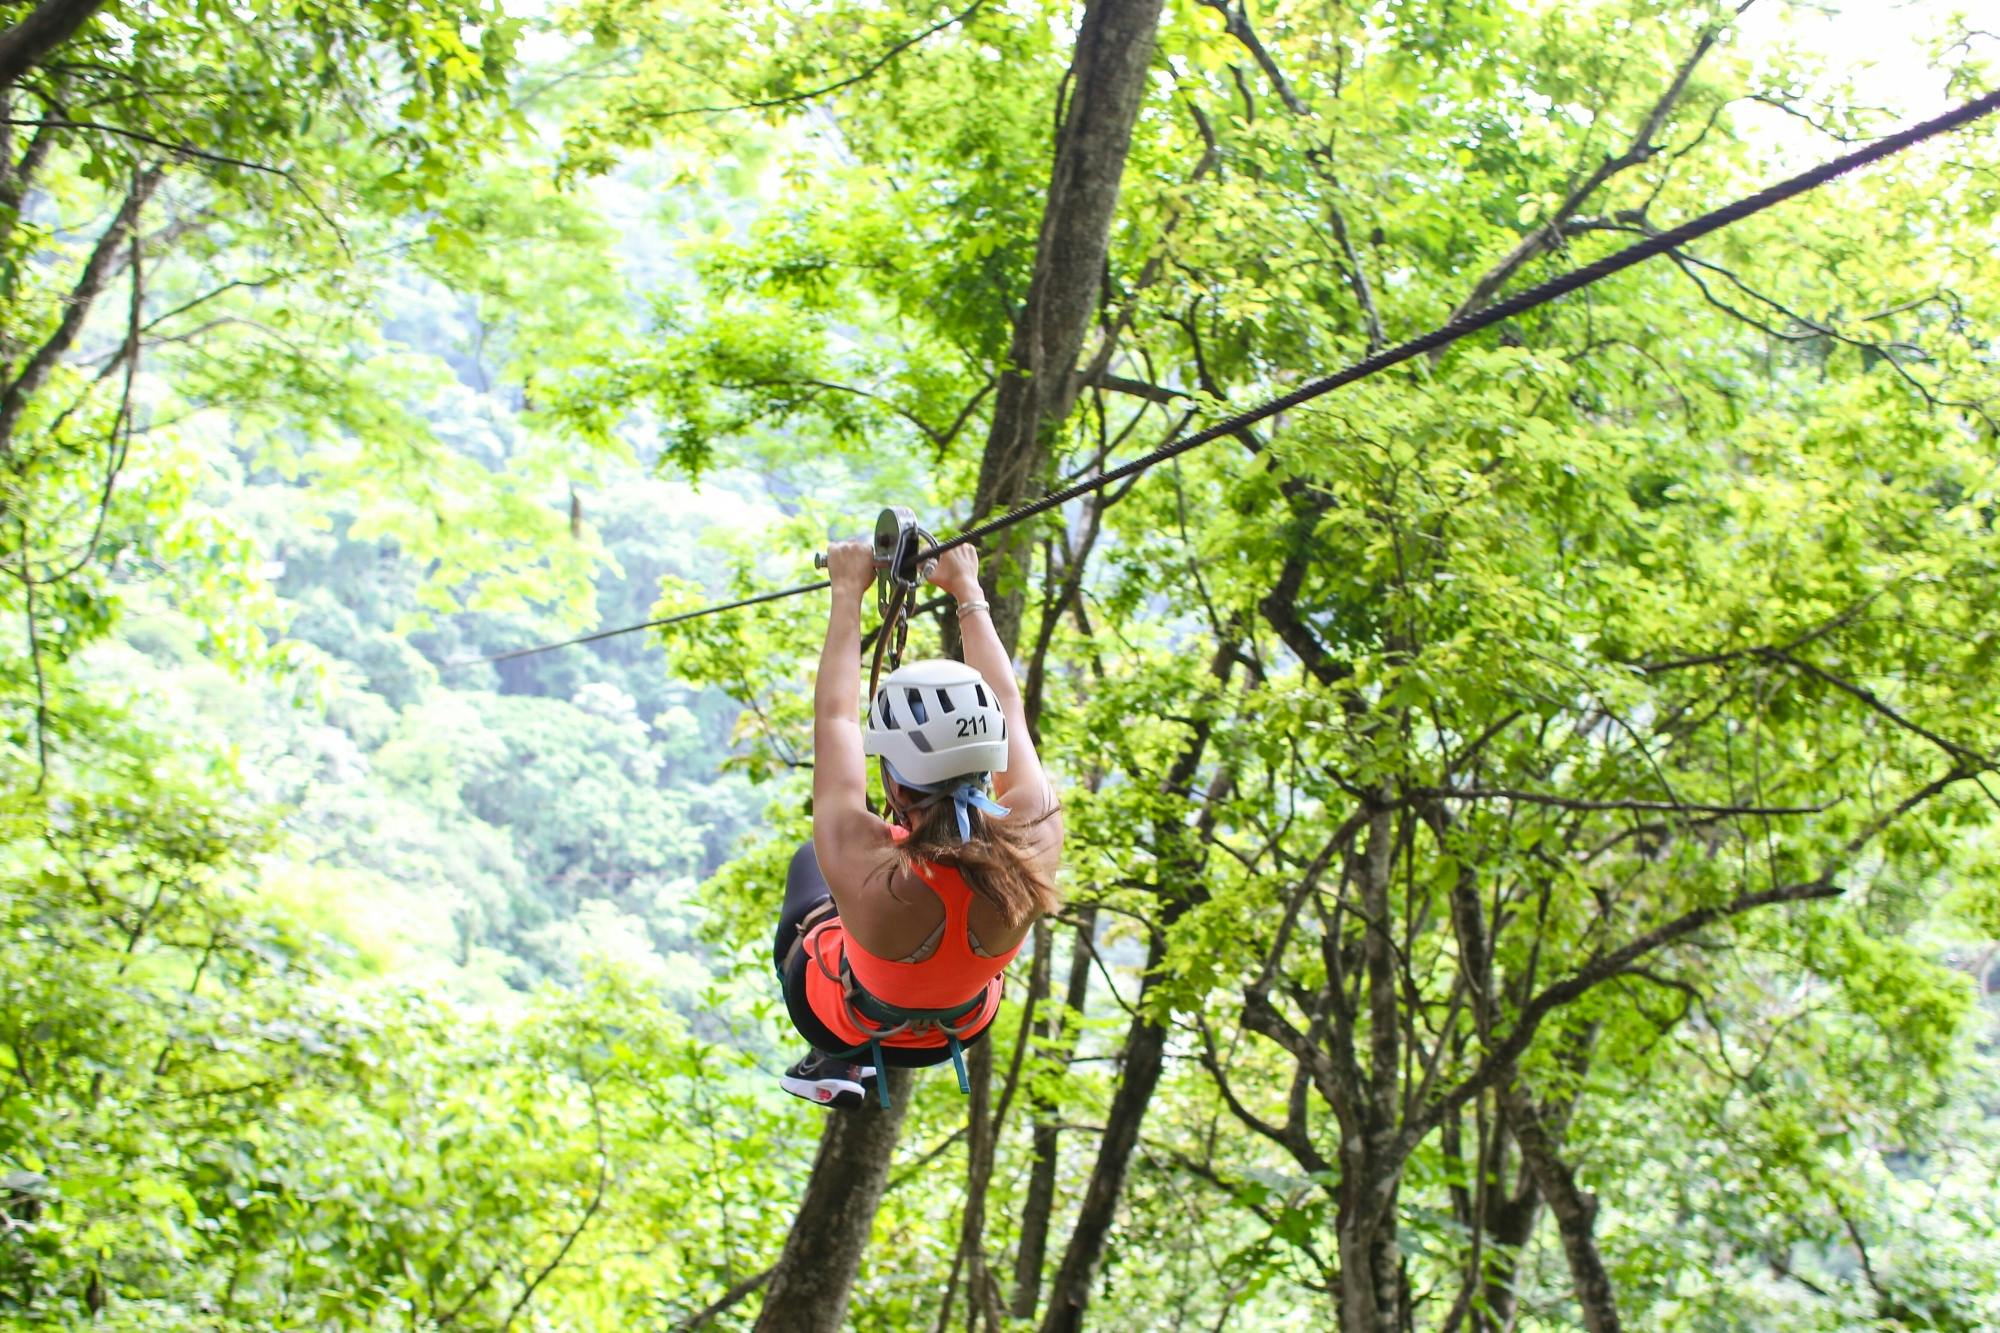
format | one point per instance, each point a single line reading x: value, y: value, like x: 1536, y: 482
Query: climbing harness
x: 882, y: 1020
x: 1442, y: 336
x: 876, y: 1016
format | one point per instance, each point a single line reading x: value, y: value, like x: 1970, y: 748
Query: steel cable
x: 1442, y: 336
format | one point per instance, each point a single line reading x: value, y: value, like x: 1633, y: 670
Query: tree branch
x: 1502, y: 1054
x: 589, y: 1212
x: 1575, y: 1209
x: 867, y: 71
x: 1212, y: 1062
x: 120, y: 443
x: 754, y: 1282
x: 179, y: 149
x: 1875, y: 702
x: 1236, y: 22
x: 35, y: 657
x: 16, y: 177
x: 76, y: 309
x: 1578, y: 803
x: 1806, y: 329
x: 48, y: 26
x: 1152, y: 393
x: 1811, y: 635
x: 187, y: 150
x: 1548, y: 233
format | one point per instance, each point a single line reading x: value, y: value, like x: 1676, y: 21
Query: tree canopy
x: 1530, y: 855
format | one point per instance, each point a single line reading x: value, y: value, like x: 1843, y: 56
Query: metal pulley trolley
x: 897, y: 542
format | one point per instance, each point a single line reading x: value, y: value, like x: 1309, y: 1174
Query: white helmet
x: 936, y: 720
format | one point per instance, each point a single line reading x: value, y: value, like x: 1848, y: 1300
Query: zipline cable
x: 737, y: 605
x: 1487, y: 316
x: 1442, y: 336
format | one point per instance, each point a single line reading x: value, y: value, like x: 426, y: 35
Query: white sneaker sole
x: 828, y: 1092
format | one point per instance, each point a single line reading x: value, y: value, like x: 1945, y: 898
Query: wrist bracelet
x: 963, y: 607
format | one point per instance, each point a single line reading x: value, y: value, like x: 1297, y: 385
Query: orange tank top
x: 948, y: 978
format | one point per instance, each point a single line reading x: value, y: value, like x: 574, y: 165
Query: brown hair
x: 995, y: 862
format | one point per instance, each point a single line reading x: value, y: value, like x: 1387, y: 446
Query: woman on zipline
x: 894, y: 935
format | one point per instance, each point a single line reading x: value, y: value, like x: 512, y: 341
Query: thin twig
x: 183, y: 149
x: 1578, y: 803
x: 866, y: 72
x: 590, y: 1212
x: 200, y: 154
x: 35, y: 655
x: 725, y: 1301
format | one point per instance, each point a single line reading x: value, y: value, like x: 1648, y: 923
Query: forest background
x: 1530, y: 853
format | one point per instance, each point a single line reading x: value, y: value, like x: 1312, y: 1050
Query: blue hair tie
x: 966, y: 795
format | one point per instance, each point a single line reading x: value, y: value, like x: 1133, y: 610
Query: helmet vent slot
x: 917, y: 710
x: 944, y: 700
x: 882, y: 711
x: 979, y: 693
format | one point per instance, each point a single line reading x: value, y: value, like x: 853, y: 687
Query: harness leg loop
x: 881, y: 1073
x: 958, y: 1061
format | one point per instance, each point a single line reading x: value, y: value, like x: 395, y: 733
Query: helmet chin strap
x: 966, y: 794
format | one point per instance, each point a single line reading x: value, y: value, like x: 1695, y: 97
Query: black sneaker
x: 829, y: 1082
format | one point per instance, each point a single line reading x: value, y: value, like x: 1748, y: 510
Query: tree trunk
x: 1371, y: 1274
x: 1145, y: 1054
x: 1360, y: 1310
x: 1510, y: 1220
x: 17, y: 174
x: 1114, y: 49
x: 1497, y: 1219
x: 17, y: 394
x: 1039, y: 1201
x: 1145, y: 1041
x: 1369, y: 1296
x: 979, y: 1145
x: 815, y: 1271
x: 1574, y: 1209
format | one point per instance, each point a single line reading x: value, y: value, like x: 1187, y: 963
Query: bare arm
x: 1023, y: 787
x: 851, y: 843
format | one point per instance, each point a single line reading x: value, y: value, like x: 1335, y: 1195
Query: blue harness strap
x: 883, y: 1020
